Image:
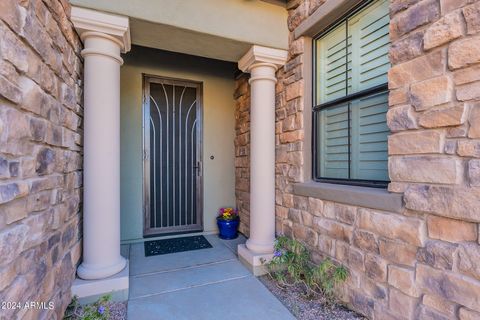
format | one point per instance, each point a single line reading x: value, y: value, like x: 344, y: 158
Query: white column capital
x: 258, y: 56
x: 113, y: 27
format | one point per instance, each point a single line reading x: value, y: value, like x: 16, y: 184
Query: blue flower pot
x: 228, y: 228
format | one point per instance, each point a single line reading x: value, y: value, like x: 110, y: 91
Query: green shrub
x: 291, y: 265
x: 98, y: 310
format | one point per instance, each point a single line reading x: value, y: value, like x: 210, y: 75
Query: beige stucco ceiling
x: 219, y: 29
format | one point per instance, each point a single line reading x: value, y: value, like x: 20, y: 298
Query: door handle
x: 199, y: 168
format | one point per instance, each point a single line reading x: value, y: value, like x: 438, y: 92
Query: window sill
x: 373, y: 198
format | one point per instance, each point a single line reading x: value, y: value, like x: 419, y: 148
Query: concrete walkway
x: 200, y: 284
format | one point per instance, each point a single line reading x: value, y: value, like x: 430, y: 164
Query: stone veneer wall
x: 423, y: 263
x: 40, y: 155
x: 242, y: 151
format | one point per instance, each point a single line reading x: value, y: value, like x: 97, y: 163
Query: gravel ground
x: 304, y: 309
x: 118, y: 310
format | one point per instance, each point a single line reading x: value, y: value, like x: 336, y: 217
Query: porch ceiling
x: 217, y: 29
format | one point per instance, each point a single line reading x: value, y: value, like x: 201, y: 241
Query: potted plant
x: 227, y: 222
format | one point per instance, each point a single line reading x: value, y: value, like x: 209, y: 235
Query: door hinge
x: 145, y: 155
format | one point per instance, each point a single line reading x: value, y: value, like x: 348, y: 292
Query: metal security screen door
x: 172, y: 156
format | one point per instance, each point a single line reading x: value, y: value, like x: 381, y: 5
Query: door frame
x: 146, y: 210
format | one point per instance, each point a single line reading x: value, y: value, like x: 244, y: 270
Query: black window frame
x: 349, y: 97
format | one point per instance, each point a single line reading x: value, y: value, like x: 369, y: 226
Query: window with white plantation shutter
x: 351, y: 98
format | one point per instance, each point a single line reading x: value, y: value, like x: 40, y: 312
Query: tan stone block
x: 296, y: 47
x: 398, y: 252
x: 15, y: 210
x: 450, y: 116
x: 467, y: 75
x: 468, y: 261
x: 341, y: 251
x: 401, y: 118
x: 376, y: 267
x: 326, y: 245
x: 281, y: 212
x: 443, y: 306
x: 374, y: 289
x: 451, y: 230
x: 356, y: 259
x: 437, y: 254
x: 400, y: 5
x: 305, y: 234
x: 345, y: 214
x: 7, y: 275
x: 329, y: 210
x: 450, y: 5
x: 406, y: 48
x: 415, y: 16
x: 444, y: 30
x: 12, y: 242
x: 397, y: 97
x: 472, y: 17
x: 468, y: 148
x: 402, y: 305
x: 474, y: 121
x: 474, y: 173
x: 11, y: 191
x: 295, y: 158
x: 416, y: 142
x: 467, y: 314
x: 456, y: 202
x: 431, y: 92
x: 424, y: 313
x: 365, y: 241
x: 450, y: 147
x: 315, y: 206
x: 291, y: 136
x: 462, y: 290
x: 403, y: 279
x: 292, y: 122
x: 11, y: 48
x: 424, y: 169
x: 393, y: 226
x: 333, y: 229
x: 457, y: 131
x: 362, y: 303
x: 294, y: 90
x: 418, y: 69
x: 464, y: 52
x: 469, y: 91
x: 295, y: 215
x: 307, y: 218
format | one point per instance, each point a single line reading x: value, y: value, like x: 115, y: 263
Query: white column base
x: 255, y: 262
x: 93, y: 272
x: 89, y: 291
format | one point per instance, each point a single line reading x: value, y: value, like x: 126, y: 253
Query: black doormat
x: 165, y: 246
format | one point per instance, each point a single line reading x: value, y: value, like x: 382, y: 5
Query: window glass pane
x: 369, y: 132
x: 331, y: 65
x: 368, y: 34
x: 332, y: 136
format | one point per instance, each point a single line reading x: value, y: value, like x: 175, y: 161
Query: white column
x: 104, y: 36
x: 262, y: 64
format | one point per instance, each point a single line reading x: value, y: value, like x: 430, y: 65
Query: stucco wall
x: 420, y: 262
x: 216, y: 29
x: 40, y: 157
x: 218, y: 130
